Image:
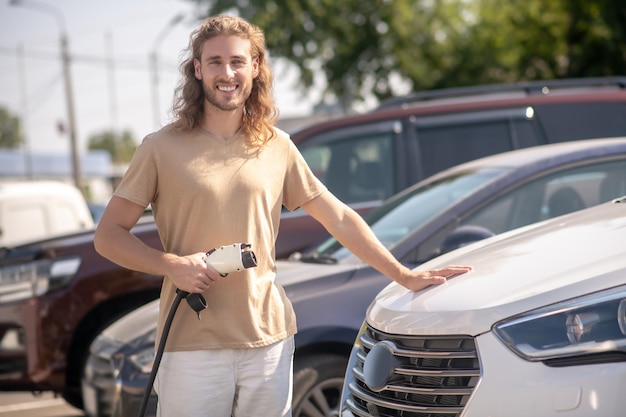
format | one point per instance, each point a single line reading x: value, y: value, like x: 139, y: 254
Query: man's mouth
x: 226, y: 88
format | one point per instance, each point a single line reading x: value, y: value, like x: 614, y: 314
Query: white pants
x: 227, y: 382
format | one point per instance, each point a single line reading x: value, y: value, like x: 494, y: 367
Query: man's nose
x: 228, y: 70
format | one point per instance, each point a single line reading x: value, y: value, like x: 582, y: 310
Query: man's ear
x: 255, y: 67
x: 197, y: 69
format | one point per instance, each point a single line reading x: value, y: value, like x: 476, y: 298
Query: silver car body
x: 563, y: 268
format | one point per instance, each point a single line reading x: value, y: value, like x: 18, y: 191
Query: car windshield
x: 395, y: 220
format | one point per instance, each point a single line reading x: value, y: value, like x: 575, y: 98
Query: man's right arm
x: 114, y: 241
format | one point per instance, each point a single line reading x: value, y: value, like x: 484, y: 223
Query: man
x: 218, y: 175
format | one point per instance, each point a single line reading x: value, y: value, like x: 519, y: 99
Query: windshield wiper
x: 318, y: 258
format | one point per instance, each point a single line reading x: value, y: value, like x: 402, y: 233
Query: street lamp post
x: 154, y: 63
x: 28, y: 159
x: 69, y: 94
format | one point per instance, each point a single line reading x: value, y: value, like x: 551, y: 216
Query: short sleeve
x: 140, y: 181
x: 300, y: 185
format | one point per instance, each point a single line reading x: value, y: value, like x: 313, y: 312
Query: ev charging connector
x: 225, y: 259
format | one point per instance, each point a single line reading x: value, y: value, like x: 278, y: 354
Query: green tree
x: 353, y: 43
x: 121, y: 146
x: 535, y: 39
x: 596, y: 37
x: 11, y: 135
x: 361, y: 45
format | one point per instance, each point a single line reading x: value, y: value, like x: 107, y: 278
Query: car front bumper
x: 511, y: 386
x: 113, y: 386
x: 26, y: 362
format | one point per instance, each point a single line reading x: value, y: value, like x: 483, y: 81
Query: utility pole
x: 154, y: 64
x: 112, y: 85
x: 67, y: 77
x: 28, y: 160
x: 71, y: 118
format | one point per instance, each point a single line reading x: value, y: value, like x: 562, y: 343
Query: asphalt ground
x: 25, y: 404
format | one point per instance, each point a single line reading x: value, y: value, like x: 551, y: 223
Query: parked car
x: 33, y: 210
x: 330, y: 289
x: 362, y: 158
x: 538, y: 328
x: 366, y: 158
x: 96, y: 210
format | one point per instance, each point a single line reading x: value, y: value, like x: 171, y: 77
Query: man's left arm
x: 349, y: 228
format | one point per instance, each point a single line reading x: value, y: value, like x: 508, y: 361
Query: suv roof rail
x: 528, y: 88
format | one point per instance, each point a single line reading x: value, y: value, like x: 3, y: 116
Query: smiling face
x: 227, y: 70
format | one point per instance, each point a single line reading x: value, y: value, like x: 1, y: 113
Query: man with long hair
x: 220, y: 174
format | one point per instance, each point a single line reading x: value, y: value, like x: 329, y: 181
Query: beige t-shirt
x: 207, y: 192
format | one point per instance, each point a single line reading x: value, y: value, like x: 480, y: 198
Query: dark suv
x: 368, y: 157
x: 57, y: 295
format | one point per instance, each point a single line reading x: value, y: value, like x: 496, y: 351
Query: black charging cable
x: 197, y: 302
x: 230, y: 258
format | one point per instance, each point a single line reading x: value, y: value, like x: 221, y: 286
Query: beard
x: 232, y: 103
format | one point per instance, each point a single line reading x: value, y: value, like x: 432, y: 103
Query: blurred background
x: 122, y: 62
x: 83, y: 81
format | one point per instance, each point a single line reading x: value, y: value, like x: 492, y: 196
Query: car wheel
x: 317, y: 383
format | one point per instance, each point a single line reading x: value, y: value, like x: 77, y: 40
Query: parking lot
x: 25, y: 404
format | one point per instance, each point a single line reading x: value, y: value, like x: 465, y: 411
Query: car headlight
x: 34, y: 278
x: 143, y: 358
x: 588, y: 329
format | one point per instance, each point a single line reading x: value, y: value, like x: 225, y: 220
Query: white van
x: 31, y: 210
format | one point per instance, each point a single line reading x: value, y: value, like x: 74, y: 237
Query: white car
x: 538, y: 328
x: 34, y: 210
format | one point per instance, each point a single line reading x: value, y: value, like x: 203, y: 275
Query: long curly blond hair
x: 260, y: 110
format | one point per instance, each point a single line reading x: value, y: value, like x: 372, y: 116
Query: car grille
x: 430, y: 376
x: 102, y: 381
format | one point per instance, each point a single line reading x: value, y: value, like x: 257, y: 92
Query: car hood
x: 514, y: 272
x: 135, y: 324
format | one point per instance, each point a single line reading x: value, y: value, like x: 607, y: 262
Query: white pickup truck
x: 538, y: 328
x: 32, y: 210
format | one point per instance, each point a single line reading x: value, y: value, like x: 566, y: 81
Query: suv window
x: 552, y: 196
x: 584, y: 120
x: 541, y: 199
x: 355, y: 168
x: 445, y: 141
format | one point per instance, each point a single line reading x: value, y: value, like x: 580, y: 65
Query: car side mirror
x: 464, y: 235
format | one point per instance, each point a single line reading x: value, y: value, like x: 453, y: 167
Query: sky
x: 110, y: 42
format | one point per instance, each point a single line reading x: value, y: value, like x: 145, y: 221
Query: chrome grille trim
x: 369, y: 343
x: 413, y: 390
x: 356, y: 411
x: 375, y: 400
x: 434, y: 376
x: 101, y: 377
